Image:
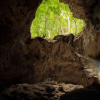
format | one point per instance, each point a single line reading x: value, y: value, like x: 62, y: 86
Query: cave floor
x: 50, y: 90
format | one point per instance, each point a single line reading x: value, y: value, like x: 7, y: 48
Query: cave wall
x: 26, y: 60
x: 15, y: 20
x: 88, y: 11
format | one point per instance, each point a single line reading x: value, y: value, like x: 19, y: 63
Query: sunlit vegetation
x: 54, y: 18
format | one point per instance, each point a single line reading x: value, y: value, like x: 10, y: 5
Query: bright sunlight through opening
x: 54, y: 18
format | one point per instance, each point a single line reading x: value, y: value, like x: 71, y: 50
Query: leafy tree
x: 54, y: 18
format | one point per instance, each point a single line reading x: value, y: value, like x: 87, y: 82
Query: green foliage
x: 54, y: 18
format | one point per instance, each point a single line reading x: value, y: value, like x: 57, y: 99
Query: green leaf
x: 51, y: 18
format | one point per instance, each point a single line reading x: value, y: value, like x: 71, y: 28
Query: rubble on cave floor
x: 48, y: 90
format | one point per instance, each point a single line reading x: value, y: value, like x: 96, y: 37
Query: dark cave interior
x: 37, y: 69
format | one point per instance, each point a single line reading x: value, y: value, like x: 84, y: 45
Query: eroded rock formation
x: 26, y: 60
x: 88, y: 11
x: 50, y: 90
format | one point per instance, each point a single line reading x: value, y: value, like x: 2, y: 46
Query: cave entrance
x: 54, y: 18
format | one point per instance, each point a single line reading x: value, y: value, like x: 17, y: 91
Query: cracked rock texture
x: 50, y: 90
x: 26, y: 60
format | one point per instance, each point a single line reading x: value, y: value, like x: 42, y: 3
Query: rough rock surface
x: 50, y: 90
x: 16, y: 17
x: 26, y: 60
x: 37, y: 60
x: 87, y: 43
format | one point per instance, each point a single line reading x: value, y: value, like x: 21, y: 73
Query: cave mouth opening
x: 54, y: 18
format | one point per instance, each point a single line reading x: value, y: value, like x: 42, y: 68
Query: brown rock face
x: 81, y: 9
x: 26, y: 60
x: 49, y: 91
x: 41, y: 91
x: 15, y: 19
